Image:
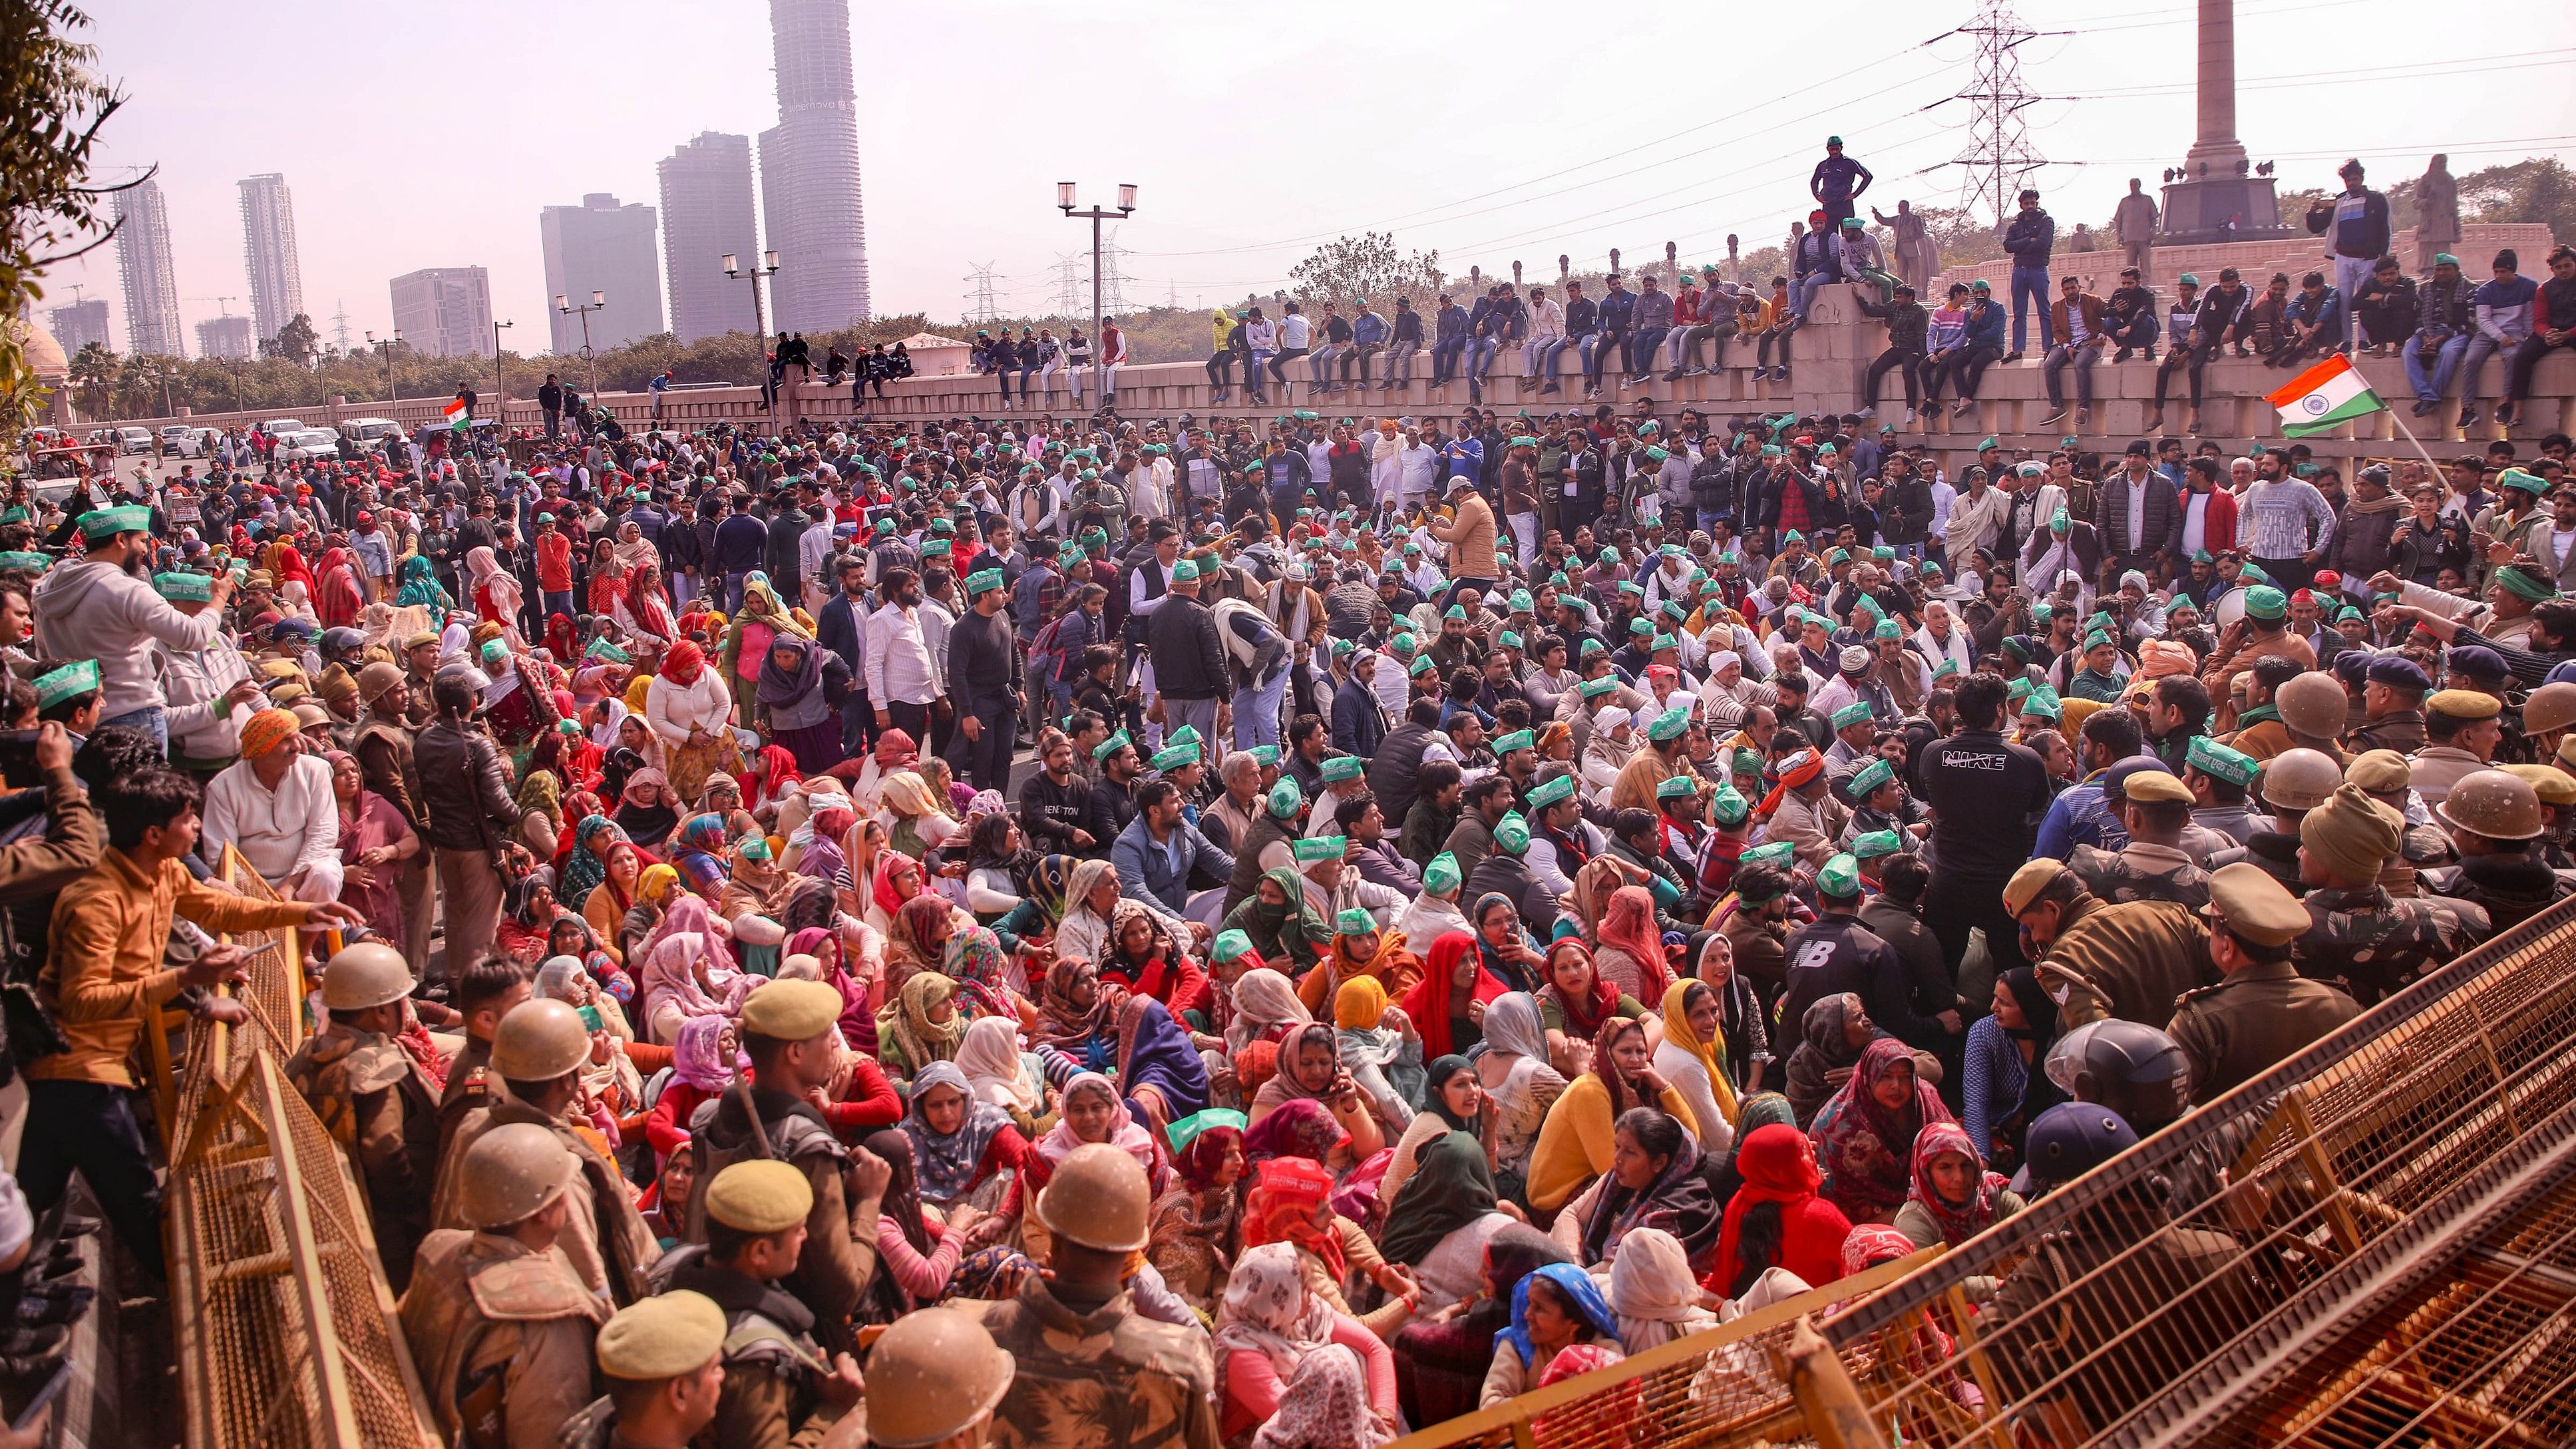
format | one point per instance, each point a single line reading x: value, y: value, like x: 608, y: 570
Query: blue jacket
x: 1833, y: 177
x: 2029, y: 237
x: 1160, y: 874
x: 2326, y: 309
x: 1359, y: 723
x: 1466, y: 458
x: 1453, y: 324
x: 1617, y: 310
x: 1476, y: 318
x: 1986, y: 330
x: 1369, y: 328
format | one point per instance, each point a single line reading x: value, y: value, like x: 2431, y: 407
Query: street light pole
x: 598, y: 302
x: 500, y: 383
x: 759, y: 317
x: 1096, y: 215
x: 393, y: 390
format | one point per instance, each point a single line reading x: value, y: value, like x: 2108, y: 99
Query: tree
x: 297, y: 342
x: 93, y: 377
x: 1365, y: 266
x: 2535, y: 189
x: 52, y: 106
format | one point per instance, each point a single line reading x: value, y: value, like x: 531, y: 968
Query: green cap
x: 1670, y: 724
x: 1421, y: 665
x: 1511, y: 834
x: 1521, y: 601
x: 1662, y: 642
x: 2018, y: 690
x: 1887, y: 629
x: 1542, y: 796
x: 1945, y: 669
x: 1314, y: 848
x: 754, y: 847
x: 1343, y: 767
x: 1173, y: 757
x: 1516, y: 740
x: 980, y: 582
x: 1457, y: 612
x: 1285, y: 798
x: 2520, y: 478
x: 1678, y: 787
x: 2044, y: 703
x: 2440, y: 257
x: 1185, y: 735
x: 1728, y: 806
x: 1779, y: 852
x: 1870, y: 776
x: 1344, y: 647
x: 1856, y: 712
x: 602, y: 649
x: 1110, y: 746
x: 1641, y: 626
x: 2221, y: 763
x: 1747, y: 761
x: 1354, y: 922
x: 1401, y: 644
x: 1264, y: 755
x: 2265, y: 602
x: 177, y: 587
x: 935, y: 548
x: 1441, y: 876
x: 69, y: 682
x: 1876, y: 844
x: 1511, y: 640
x: 36, y: 563
x: 109, y: 522
x: 1840, y: 878
x: 1184, y: 571
x: 1595, y: 688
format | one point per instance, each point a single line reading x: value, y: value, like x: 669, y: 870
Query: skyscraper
x: 226, y: 338
x: 602, y: 246
x: 268, y: 249
x: 706, y: 213
x: 78, y: 324
x: 809, y: 171
x: 151, y: 284
x: 445, y: 311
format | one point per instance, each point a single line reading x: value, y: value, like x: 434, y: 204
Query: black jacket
x: 1396, y: 765
x: 1050, y: 813
x: 463, y: 789
x: 1189, y: 658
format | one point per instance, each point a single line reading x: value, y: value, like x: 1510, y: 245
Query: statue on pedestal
x: 1914, y: 255
x: 2437, y: 211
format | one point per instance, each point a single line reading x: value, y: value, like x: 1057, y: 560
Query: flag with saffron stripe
x: 2324, y: 398
x: 456, y: 413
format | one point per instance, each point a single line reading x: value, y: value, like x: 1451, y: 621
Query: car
x: 308, y: 444
x: 133, y: 440
x: 281, y: 427
x: 371, y: 434
x: 181, y: 441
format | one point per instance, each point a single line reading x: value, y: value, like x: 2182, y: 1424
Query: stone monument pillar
x: 2218, y: 198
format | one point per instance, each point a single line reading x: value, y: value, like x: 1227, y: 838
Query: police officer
x: 372, y: 1096
x: 2393, y: 701
x: 2293, y: 783
x: 538, y: 1053
x: 2155, y: 808
x: 2097, y: 958
x: 499, y: 1323
x: 934, y: 1379
x: 780, y: 1386
x: 2359, y: 937
x: 2388, y: 778
x: 2496, y: 821
x: 790, y: 1031
x: 663, y: 1370
x: 2264, y: 1012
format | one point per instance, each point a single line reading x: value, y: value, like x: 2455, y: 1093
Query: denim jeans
x: 1444, y: 359
x: 2446, y: 365
x: 1480, y: 356
x: 1548, y: 355
x: 1399, y: 362
x: 2481, y: 347
x: 2082, y: 359
x: 1643, y: 347
x: 2031, y: 283
x: 733, y: 593
x: 1802, y: 292
x: 1319, y: 368
x: 1256, y: 711
x: 560, y: 602
x: 152, y: 719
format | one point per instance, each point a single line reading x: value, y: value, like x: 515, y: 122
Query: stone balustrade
x: 1832, y: 357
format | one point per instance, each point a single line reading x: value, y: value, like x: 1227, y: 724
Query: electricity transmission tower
x: 1069, y: 287
x: 979, y: 302
x: 340, y: 330
x: 1113, y: 281
x: 1999, y: 155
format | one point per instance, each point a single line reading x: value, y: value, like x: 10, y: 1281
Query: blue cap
x: 2069, y: 1140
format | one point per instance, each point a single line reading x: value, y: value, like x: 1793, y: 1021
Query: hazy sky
x: 1492, y: 131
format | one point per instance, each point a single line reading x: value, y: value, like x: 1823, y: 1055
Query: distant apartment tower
x: 809, y: 172
x: 706, y: 215
x: 445, y: 311
x: 602, y: 246
x: 225, y: 338
x: 268, y: 250
x: 80, y: 324
x: 151, y: 283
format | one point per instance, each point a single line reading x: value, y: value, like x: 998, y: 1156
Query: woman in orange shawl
x: 336, y: 598
x: 1359, y: 949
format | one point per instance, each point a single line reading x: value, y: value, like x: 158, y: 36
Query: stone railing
x: 2258, y: 260
x: 1833, y: 353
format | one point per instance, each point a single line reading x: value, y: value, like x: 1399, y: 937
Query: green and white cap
x: 1511, y: 834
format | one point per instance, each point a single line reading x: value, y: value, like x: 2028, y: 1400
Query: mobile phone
x: 590, y: 1018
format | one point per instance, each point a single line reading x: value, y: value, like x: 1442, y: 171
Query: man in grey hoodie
x: 97, y: 607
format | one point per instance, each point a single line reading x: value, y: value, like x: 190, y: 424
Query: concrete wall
x: 2257, y: 261
x: 1833, y: 354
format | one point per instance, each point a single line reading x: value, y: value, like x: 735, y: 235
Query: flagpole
x: 2409, y: 434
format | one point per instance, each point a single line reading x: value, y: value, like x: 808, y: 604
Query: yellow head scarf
x: 1359, y: 1004
x: 1677, y: 1030
x: 657, y: 882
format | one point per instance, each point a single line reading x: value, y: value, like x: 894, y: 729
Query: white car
x: 311, y: 443
x: 181, y: 441
x: 282, y: 428
x: 133, y: 440
x: 371, y: 434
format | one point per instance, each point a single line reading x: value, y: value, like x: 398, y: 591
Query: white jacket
x: 88, y: 610
x: 674, y: 709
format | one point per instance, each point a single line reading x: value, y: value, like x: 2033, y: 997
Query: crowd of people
x: 1124, y: 931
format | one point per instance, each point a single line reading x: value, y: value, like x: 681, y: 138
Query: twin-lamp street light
x: 1096, y: 215
x: 598, y: 302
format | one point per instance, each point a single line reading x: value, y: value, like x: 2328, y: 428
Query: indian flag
x: 456, y: 413
x: 2323, y: 398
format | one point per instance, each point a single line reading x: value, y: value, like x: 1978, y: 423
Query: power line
x: 1068, y: 284
x: 1999, y: 154
x: 979, y: 302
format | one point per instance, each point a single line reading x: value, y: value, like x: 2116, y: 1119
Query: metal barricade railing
x: 1725, y: 1385
x: 2208, y: 1280
x: 283, y: 1322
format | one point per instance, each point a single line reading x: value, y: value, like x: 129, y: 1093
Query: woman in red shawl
x: 1448, y: 1004
x: 291, y: 567
x: 1776, y: 1220
x: 337, y: 599
x: 1864, y: 1137
x: 607, y: 578
x: 1631, y: 954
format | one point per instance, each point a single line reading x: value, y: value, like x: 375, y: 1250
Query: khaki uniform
x: 502, y: 1335
x: 2221, y: 674
x: 2141, y: 871
x: 2402, y: 731
x: 2102, y: 1278
x: 2424, y: 847
x: 593, y: 1428
x: 772, y: 1396
x: 840, y: 1254
x: 2268, y: 737
x: 605, y: 1239
x: 2129, y: 961
x: 2438, y: 767
x: 374, y: 1101
x: 2251, y: 1022
x: 1105, y: 1380
x: 469, y: 1089
x: 2371, y: 944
